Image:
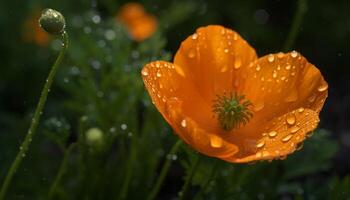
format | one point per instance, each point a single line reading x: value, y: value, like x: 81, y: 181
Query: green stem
x: 35, y: 121
x: 164, y: 171
x: 129, y: 170
x: 61, y: 171
x: 297, y: 20
x: 186, y: 186
x: 206, y: 184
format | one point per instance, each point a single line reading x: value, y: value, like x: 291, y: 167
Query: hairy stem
x: 35, y: 121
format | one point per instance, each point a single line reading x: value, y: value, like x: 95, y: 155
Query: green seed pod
x: 52, y: 21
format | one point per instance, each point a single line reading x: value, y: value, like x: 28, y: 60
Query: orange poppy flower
x: 139, y: 23
x: 33, y: 32
x: 225, y: 102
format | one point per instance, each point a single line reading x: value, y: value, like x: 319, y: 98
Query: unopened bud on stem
x: 52, y: 21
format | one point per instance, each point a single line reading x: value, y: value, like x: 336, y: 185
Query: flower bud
x: 52, y: 21
x: 94, y: 136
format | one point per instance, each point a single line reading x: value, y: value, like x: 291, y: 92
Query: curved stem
x: 186, y: 186
x: 61, y: 171
x: 297, y: 20
x: 35, y: 121
x: 164, y: 171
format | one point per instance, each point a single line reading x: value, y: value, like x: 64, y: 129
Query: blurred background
x: 99, y: 86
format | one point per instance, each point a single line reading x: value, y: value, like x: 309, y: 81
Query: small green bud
x: 52, y: 21
x: 94, y: 136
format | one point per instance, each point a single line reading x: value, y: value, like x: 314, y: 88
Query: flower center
x: 232, y: 111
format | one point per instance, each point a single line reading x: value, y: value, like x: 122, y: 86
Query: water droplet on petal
x: 180, y: 71
x: 300, y: 110
x: 145, y: 72
x: 258, y: 68
x: 195, y: 36
x: 294, y: 54
x: 272, y: 134
x: 260, y: 144
x: 183, y: 123
x: 258, y: 106
x: 159, y: 74
x: 322, y: 88
x: 291, y: 119
x: 294, y: 129
x: 288, y: 66
x: 274, y: 74
x: 270, y: 58
x: 215, y: 141
x: 238, y: 63
x: 191, y: 54
x: 312, y: 98
x: 287, y: 138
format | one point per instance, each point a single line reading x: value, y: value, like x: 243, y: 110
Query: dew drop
x: 299, y: 146
x: 312, y: 98
x: 258, y: 106
x: 272, y: 134
x: 238, y: 63
x: 183, y: 123
x: 280, y: 55
x: 215, y: 141
x: 294, y: 54
x: 322, y: 88
x: 258, y: 68
x: 226, y: 50
x: 271, y: 58
x: 195, y: 36
x: 291, y: 119
x: 300, y: 110
x: 180, y: 71
x: 274, y: 74
x: 145, y: 72
x: 294, y: 129
x: 159, y: 74
x: 260, y: 144
x: 287, y: 138
x: 288, y: 66
x: 191, y: 54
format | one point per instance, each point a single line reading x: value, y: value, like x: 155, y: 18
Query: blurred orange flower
x: 33, y: 32
x: 139, y: 23
x: 225, y: 102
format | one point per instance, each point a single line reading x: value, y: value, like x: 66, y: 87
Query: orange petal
x: 281, y: 136
x: 130, y: 11
x: 140, y: 24
x: 184, y: 109
x: 143, y: 28
x: 213, y: 58
x: 280, y: 83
